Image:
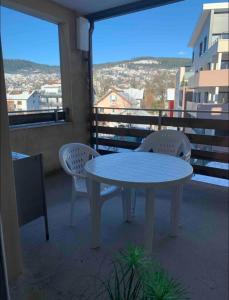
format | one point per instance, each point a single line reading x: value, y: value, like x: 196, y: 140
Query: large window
x: 225, y: 64
x: 223, y: 97
x: 31, y: 62
x: 205, y: 43
x: 200, y: 49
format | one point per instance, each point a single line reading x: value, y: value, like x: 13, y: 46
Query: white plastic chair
x: 72, y: 158
x: 167, y: 141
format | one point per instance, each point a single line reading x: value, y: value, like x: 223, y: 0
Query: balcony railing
x: 38, y: 116
x: 209, y: 137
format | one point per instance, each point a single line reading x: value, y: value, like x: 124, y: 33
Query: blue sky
x: 164, y: 31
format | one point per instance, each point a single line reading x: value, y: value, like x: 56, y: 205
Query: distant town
x: 197, y: 84
x: 31, y: 86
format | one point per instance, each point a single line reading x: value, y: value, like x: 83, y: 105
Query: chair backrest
x: 74, y: 156
x: 168, y: 142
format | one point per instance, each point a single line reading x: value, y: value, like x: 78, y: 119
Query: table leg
x: 175, y: 209
x: 133, y: 201
x: 149, y: 219
x: 126, y: 205
x: 94, y: 197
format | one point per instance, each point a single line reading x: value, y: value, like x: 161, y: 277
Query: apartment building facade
x: 51, y: 96
x: 204, y: 86
x: 117, y: 98
x: 23, y: 101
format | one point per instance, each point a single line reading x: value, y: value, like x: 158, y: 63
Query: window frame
x: 63, y: 57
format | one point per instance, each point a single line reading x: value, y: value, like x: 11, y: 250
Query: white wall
x: 220, y: 23
x: 205, y: 32
x: 33, y: 101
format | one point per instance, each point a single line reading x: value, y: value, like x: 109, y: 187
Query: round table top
x: 138, y: 169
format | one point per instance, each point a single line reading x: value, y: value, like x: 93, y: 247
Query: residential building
x: 117, y: 98
x: 208, y: 77
x: 23, y: 101
x: 136, y: 96
x: 51, y: 96
x: 182, y: 92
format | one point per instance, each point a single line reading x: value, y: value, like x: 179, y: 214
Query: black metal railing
x: 124, y: 130
x: 38, y: 116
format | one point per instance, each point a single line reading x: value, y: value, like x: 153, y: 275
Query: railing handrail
x: 108, y: 138
x: 36, y: 110
x: 38, y: 116
x: 161, y: 110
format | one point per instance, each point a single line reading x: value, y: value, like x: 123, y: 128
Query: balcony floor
x: 66, y: 268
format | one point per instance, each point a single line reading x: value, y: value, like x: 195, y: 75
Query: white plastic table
x: 132, y: 170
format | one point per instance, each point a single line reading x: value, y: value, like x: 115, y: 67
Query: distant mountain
x: 149, y: 62
x: 13, y: 66
x: 24, y: 66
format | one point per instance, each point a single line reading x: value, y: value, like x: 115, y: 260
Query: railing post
x: 159, y: 119
x: 56, y: 115
x: 96, y: 129
x: 67, y: 114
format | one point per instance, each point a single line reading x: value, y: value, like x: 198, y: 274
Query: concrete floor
x: 66, y: 268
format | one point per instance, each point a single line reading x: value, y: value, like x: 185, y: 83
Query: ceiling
x: 102, y: 9
x: 91, y: 6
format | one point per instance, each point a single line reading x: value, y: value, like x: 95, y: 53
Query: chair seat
x: 106, y: 190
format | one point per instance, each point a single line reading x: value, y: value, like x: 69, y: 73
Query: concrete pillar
x: 219, y: 60
x: 209, y: 97
x: 216, y: 94
x: 8, y: 206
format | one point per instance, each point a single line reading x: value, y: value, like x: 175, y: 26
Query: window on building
x: 205, y: 43
x: 199, y: 97
x: 195, y: 96
x: 19, y: 102
x: 101, y: 110
x: 225, y: 64
x: 200, y: 49
x: 113, y: 98
x: 192, y: 56
x: 225, y: 35
x: 223, y: 97
x: 206, y: 97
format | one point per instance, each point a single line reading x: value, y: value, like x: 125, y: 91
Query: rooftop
x: 19, y: 95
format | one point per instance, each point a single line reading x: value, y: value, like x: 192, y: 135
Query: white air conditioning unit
x: 82, y: 32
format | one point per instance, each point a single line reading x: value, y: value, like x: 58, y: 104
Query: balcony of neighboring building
x: 214, y: 58
x: 207, y: 110
x: 218, y: 46
x: 209, y: 78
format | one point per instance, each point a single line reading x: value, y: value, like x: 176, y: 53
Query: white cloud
x: 181, y: 52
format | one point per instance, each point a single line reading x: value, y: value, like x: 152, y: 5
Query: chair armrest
x: 186, y: 156
x: 75, y: 175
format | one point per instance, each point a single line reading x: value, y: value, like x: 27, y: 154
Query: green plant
x: 136, y: 277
